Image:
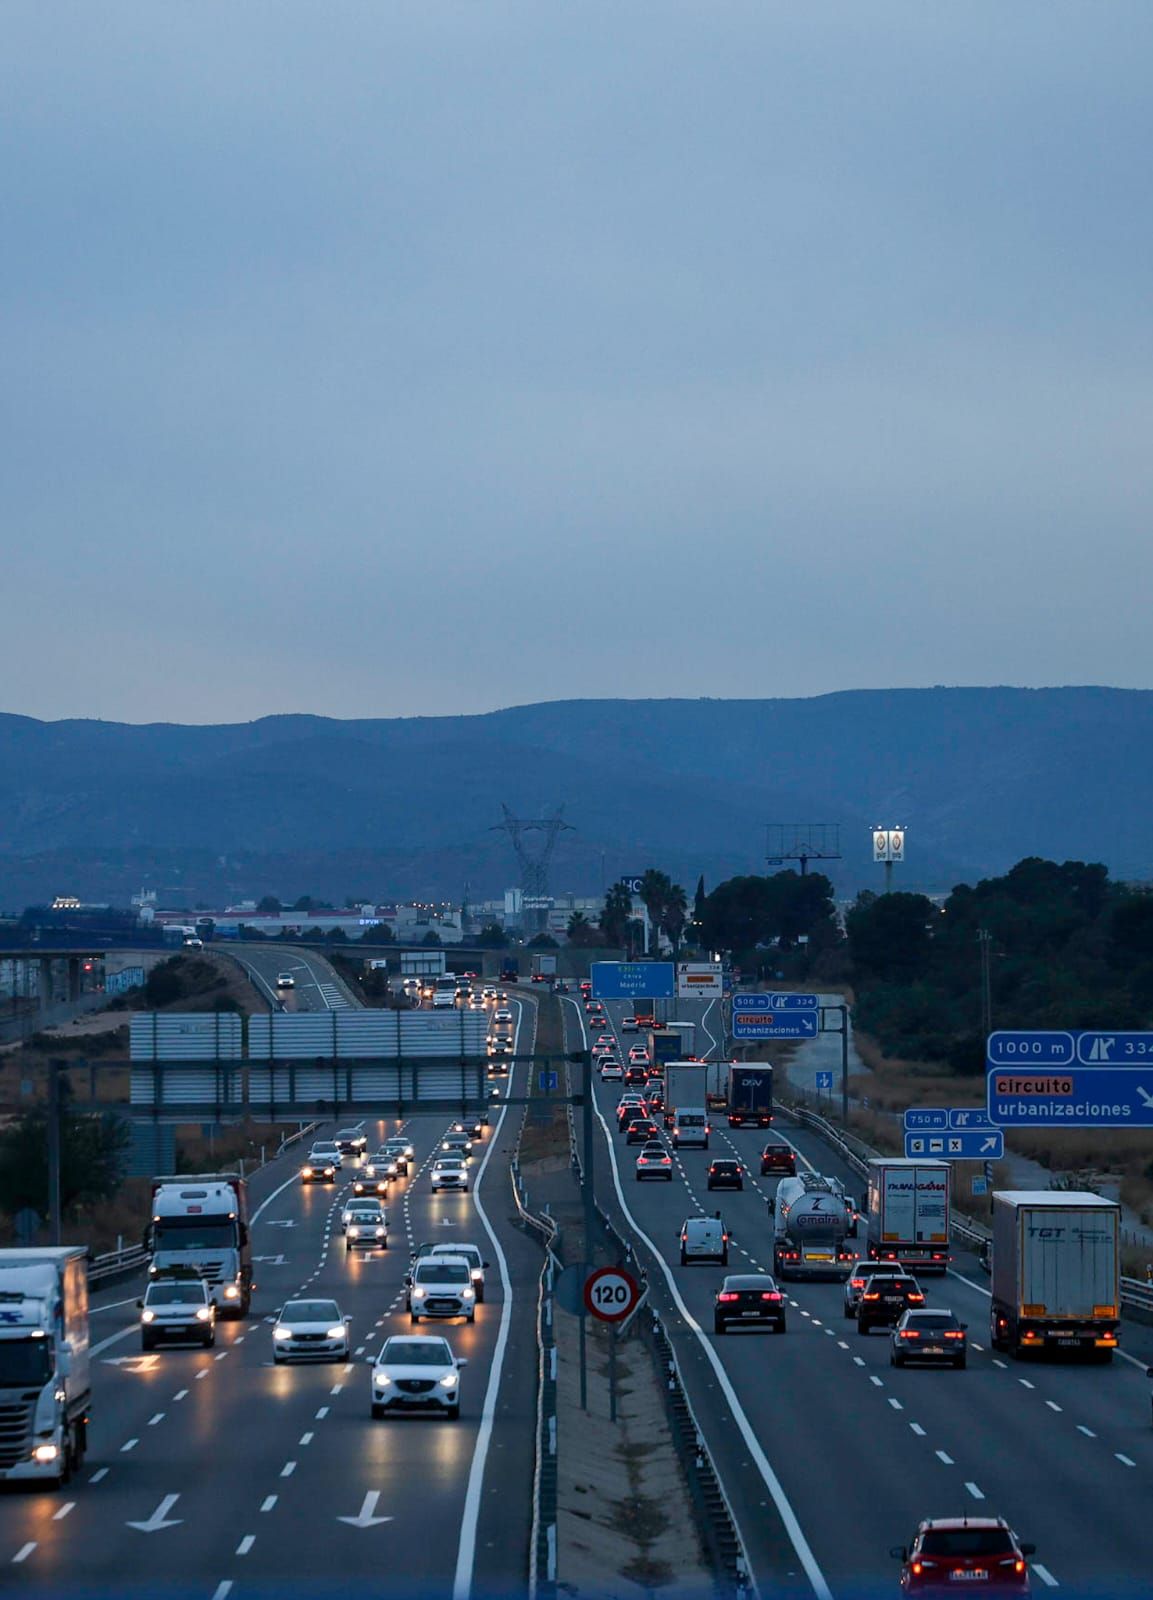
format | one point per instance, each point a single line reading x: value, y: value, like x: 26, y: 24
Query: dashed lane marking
x: 69, y: 1505
x: 268, y: 1502
x: 246, y: 1544
x: 1088, y: 1432
x: 917, y: 1429
x: 944, y: 1457
x: 288, y: 1469
x: 974, y: 1491
x: 24, y: 1552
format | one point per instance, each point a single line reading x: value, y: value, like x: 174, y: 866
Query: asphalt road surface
x: 830, y: 1455
x: 216, y: 1474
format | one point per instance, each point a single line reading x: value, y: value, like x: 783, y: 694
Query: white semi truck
x: 1056, y: 1272
x: 200, y: 1223
x: 908, y: 1213
x: 44, y: 1383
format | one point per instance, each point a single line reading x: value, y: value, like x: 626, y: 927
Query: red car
x: 981, y: 1555
x: 778, y: 1158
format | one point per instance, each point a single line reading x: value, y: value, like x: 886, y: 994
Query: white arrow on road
x: 157, y: 1520
x: 135, y: 1363
x: 366, y: 1518
x: 285, y: 1222
x: 447, y: 1222
x: 277, y: 1261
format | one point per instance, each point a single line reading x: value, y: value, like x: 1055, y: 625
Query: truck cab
x: 44, y: 1382
x: 200, y: 1223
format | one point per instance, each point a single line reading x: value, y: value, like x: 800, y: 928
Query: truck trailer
x: 809, y: 1229
x: 908, y: 1213
x: 1056, y: 1273
x: 200, y: 1222
x: 44, y: 1383
x: 750, y: 1096
x: 421, y: 963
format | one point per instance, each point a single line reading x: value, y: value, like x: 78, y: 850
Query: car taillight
x: 915, y: 1298
x: 917, y: 1569
x: 857, y: 1283
x: 909, y: 1333
x: 954, y: 1333
x: 874, y: 1296
x: 726, y: 1296
x: 765, y: 1295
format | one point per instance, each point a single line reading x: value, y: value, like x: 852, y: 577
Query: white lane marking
x: 131, y: 1445
x: 1044, y: 1574
x: 859, y: 1361
x: 1004, y: 1365
x: 896, y: 1404
x: 1025, y: 1384
x: 1132, y: 1360
x: 101, y: 1472
x: 222, y: 1590
x: 113, y: 1338
x: 306, y: 1438
x: 336, y: 1388
x: 1088, y: 1432
x: 974, y: 1491
x: 246, y: 1544
x: 973, y: 1345
x: 1053, y: 1406
x: 203, y: 1373
x: 112, y: 1305
x: 220, y: 1355
x: 181, y: 1394
x: 880, y: 1382
x: 776, y: 1490
x: 69, y: 1505
x: 264, y: 1204
x: 268, y: 1502
x: 288, y: 1469
x: 322, y: 1413
x: 917, y: 1429
x: 1124, y: 1460
x: 944, y: 1456
x: 841, y: 1345
x: 466, y: 1549
x: 24, y: 1552
x: 980, y: 1288
x: 159, y: 1417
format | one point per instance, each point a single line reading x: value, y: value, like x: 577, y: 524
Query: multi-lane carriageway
x: 284, y: 1486
x: 213, y: 1473
x: 830, y: 1456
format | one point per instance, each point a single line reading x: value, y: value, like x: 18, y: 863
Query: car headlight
x: 335, y: 1333
x: 232, y: 1292
x: 418, y: 1293
x: 282, y: 1333
x: 380, y: 1233
x: 477, y: 1274
x: 382, y: 1380
x: 449, y: 1380
x: 370, y: 1172
x: 45, y: 1453
x: 148, y: 1316
x: 306, y: 1172
x: 353, y: 1231
x: 203, y: 1313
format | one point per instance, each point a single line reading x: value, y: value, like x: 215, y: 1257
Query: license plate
x: 970, y: 1575
x: 750, y: 1313
x: 818, y: 1255
x: 1069, y: 1341
x: 934, y: 1350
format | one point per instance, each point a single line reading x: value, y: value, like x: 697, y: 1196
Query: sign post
x: 612, y: 1295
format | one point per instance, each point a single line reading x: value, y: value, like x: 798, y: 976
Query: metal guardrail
x: 1135, y: 1293
x: 117, y: 1262
x: 543, y: 1537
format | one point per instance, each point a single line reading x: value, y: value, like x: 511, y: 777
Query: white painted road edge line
x: 1044, y: 1574
x: 784, y: 1508
x: 466, y: 1549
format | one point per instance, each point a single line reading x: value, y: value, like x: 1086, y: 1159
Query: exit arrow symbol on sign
x: 157, y: 1520
x: 366, y: 1519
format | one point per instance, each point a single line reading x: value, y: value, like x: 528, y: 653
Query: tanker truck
x: 810, y: 1227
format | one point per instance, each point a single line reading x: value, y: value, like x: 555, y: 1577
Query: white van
x: 704, y: 1239
x: 691, y: 1127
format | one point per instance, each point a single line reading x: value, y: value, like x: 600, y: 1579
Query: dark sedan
x: 932, y: 1336
x: 751, y: 1299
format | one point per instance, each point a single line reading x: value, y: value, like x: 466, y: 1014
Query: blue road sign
x: 1038, y: 1047
x: 548, y: 1080
x: 967, y: 1117
x: 1074, y: 1097
x: 986, y: 1144
x: 919, y: 1118
x: 782, y: 1000
x: 630, y: 980
x: 824, y: 1080
x: 1114, y: 1049
x: 775, y: 1024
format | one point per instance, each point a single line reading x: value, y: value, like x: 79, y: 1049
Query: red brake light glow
x: 727, y: 1296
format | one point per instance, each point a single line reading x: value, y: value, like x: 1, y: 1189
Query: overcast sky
x: 374, y: 359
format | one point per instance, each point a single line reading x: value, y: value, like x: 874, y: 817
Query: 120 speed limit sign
x: 611, y: 1294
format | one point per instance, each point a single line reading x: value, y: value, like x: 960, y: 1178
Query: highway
x: 316, y: 984
x: 216, y: 1474
x: 849, y: 1452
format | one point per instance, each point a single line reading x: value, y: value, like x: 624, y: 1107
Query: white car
x: 326, y: 1150
x: 177, y: 1308
x: 472, y: 1254
x: 365, y: 1223
x: 285, y: 980
x: 418, y: 1371
x: 611, y: 1071
x: 441, y: 1286
x: 310, y: 1330
x: 321, y: 1167
x: 638, y: 1056
x: 490, y: 995
x: 502, y: 1014
x: 449, y: 1172
x: 629, y: 1025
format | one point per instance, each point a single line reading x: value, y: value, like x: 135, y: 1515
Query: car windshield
x: 176, y: 1294
x: 966, y: 1542
x: 442, y: 1272
x: 311, y: 1311
x: 323, y: 1152
x: 451, y: 1164
x: 468, y: 1251
x: 932, y: 1319
x: 24, y: 1361
x: 420, y: 1353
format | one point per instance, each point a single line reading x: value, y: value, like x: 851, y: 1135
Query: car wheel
x: 480, y: 1294
x: 895, y: 1360
x: 684, y: 1259
x: 472, y: 1316
x: 453, y: 1411
x: 146, y: 1342
x: 377, y: 1411
x: 718, y: 1325
x: 347, y: 1247
x: 210, y: 1341
x: 413, y: 1318
x: 277, y: 1361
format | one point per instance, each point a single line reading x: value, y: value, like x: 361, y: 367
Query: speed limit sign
x: 611, y: 1293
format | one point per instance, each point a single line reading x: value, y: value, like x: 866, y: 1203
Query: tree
x: 543, y: 941
x: 617, y: 914
x: 581, y: 931
x: 270, y: 904
x: 654, y: 892
x: 493, y: 937
x: 431, y: 937
x: 93, y: 1156
x: 889, y: 935
x: 306, y: 904
x: 378, y: 933
x: 336, y: 936
x: 674, y: 915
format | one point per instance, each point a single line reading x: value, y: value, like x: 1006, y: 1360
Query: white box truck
x: 1056, y: 1272
x: 421, y: 963
x: 908, y: 1213
x: 44, y: 1384
x: 685, y: 1084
